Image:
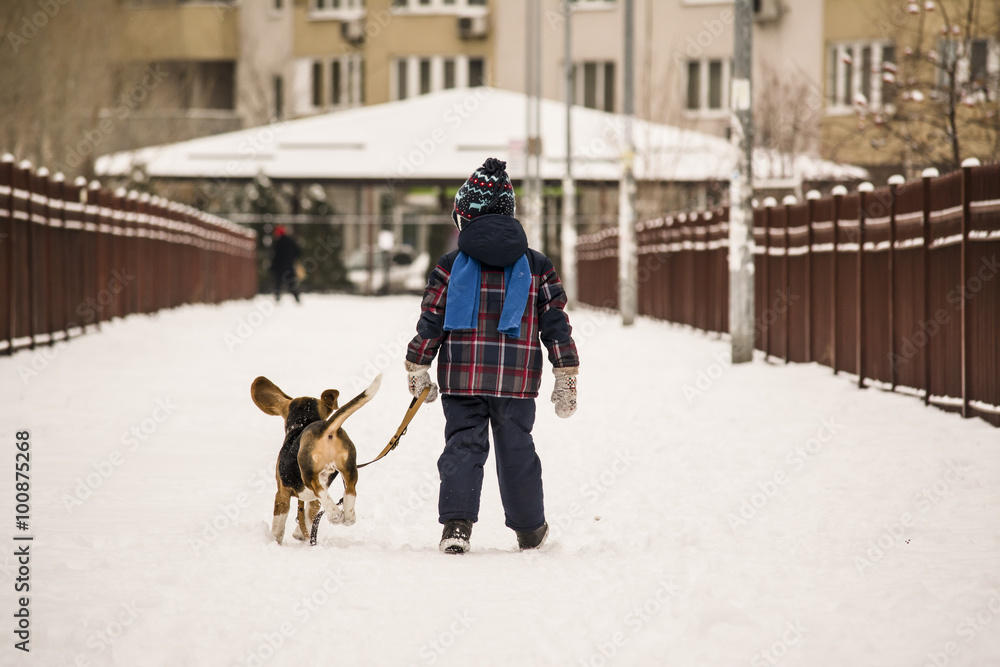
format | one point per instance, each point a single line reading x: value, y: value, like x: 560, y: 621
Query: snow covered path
x: 702, y: 515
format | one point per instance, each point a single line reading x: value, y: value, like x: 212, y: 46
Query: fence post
x: 811, y: 197
x: 769, y: 205
x: 926, y: 177
x: 788, y: 203
x: 839, y: 192
x: 43, y: 214
x: 7, y: 240
x: 967, y: 166
x: 864, y: 190
x: 894, y: 182
x: 25, y: 172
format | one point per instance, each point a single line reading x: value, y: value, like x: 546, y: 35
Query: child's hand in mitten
x: 564, y: 393
x: 418, y: 378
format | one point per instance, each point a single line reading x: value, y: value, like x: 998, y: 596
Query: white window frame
x: 703, y: 80
x: 458, y: 7
x: 592, y: 5
x: 836, y: 75
x: 437, y: 73
x: 580, y: 79
x: 349, y: 10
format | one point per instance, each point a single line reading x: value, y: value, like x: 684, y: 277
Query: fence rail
x: 76, y: 255
x: 898, y: 285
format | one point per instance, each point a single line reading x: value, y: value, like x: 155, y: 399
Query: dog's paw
x: 336, y: 515
x: 349, y: 519
x: 297, y: 534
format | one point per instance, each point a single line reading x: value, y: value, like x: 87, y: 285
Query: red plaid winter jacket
x: 486, y: 362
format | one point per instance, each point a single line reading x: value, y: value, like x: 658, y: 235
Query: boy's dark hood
x: 493, y: 239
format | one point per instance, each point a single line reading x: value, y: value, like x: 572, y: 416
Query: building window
x: 317, y: 83
x: 435, y: 5
x: 278, y: 85
x: 425, y: 76
x: 449, y: 73
x: 862, y: 73
x: 708, y: 85
x: 402, y: 65
x: 477, y: 72
x: 596, y: 85
x: 336, y: 97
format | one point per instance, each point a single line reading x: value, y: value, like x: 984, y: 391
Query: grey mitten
x: 564, y: 393
x: 418, y: 378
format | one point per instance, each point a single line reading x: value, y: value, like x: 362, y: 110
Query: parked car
x: 406, y: 269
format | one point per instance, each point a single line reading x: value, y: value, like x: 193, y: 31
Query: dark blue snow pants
x: 467, y: 447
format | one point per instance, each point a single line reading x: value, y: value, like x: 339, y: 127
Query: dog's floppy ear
x: 328, y: 402
x: 269, y: 398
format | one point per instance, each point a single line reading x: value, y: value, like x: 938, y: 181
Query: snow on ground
x: 702, y: 514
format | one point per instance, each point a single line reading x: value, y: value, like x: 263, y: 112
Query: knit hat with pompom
x: 488, y: 190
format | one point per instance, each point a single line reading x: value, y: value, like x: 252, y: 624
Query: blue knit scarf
x: 461, y: 311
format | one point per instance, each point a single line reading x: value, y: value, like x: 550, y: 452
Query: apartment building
x: 911, y: 85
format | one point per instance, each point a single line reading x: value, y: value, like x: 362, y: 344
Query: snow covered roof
x: 445, y: 136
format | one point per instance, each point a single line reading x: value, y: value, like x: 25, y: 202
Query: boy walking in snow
x: 485, y: 311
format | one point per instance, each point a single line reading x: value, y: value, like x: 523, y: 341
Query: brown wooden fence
x: 74, y: 256
x: 899, y: 285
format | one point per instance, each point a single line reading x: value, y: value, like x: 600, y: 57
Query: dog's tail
x: 337, y: 419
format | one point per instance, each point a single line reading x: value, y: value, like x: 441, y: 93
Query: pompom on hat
x: 488, y: 190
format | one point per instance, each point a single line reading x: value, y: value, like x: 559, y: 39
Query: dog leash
x: 393, y: 443
x: 407, y: 418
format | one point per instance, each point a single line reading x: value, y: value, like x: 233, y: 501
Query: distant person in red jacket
x: 285, y: 253
x: 486, y: 312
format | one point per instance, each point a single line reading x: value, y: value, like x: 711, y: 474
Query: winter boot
x: 455, y: 537
x: 534, y: 539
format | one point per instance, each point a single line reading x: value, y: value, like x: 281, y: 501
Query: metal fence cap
x: 80, y: 181
x: 770, y: 202
x: 971, y: 162
x: 24, y: 164
x: 59, y: 177
x: 930, y: 172
x: 814, y: 194
x: 7, y: 157
x: 790, y: 200
x: 94, y: 185
x: 897, y: 179
x: 866, y: 187
x: 43, y: 172
x: 839, y: 190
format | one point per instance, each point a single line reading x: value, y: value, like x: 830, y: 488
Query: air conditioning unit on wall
x: 473, y: 27
x: 766, y: 11
x: 353, y: 31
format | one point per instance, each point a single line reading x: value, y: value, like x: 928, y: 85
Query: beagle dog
x: 315, y: 449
